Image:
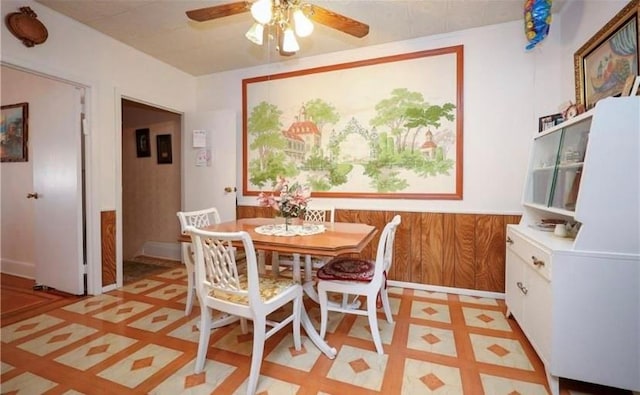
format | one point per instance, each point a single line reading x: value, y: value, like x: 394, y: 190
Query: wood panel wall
x: 452, y: 250
x: 108, y: 241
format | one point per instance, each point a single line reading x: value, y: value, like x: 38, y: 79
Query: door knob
x: 230, y: 189
x: 33, y: 195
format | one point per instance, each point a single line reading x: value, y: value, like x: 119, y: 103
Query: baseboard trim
x: 450, y: 290
x: 18, y: 268
x: 163, y: 250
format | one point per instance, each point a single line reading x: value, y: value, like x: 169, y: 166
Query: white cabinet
x: 577, y: 299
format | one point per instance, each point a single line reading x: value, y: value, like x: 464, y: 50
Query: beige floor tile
x: 123, y: 311
x: 57, y: 339
x: 359, y: 367
x: 174, y: 274
x: 159, y: 319
x: 430, y: 294
x: 168, y: 292
x: 140, y: 365
x: 268, y: 385
x: 86, y: 306
x: 435, y: 340
x: 142, y: 286
x: 25, y: 328
x: 422, y: 377
x: 5, y: 367
x: 188, y: 331
x: 488, y: 319
x: 478, y: 300
x: 502, y: 386
x: 500, y: 351
x: 27, y: 383
x: 95, y: 351
x: 285, y: 354
x: 361, y: 329
x: 430, y: 311
x: 186, y: 382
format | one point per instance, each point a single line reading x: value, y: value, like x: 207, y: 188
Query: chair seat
x: 269, y: 288
x: 347, y: 269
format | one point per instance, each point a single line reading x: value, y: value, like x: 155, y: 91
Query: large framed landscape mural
x: 387, y: 127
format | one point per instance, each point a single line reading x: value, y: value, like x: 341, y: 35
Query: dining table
x: 327, y: 239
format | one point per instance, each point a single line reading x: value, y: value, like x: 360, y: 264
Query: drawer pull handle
x: 537, y: 262
x: 522, y: 287
x: 509, y: 240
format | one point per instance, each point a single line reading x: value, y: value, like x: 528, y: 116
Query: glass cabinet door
x: 545, y: 157
x: 569, y: 166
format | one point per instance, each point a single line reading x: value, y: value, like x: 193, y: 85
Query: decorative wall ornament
x: 26, y: 27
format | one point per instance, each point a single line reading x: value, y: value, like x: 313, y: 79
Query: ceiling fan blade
x: 218, y: 11
x: 338, y: 22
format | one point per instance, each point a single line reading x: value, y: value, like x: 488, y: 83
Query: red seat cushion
x: 347, y: 269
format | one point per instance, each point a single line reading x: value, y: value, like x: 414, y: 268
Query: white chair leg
x: 323, y: 301
x: 243, y: 326
x: 186, y: 259
x: 373, y: 323
x: 203, y: 343
x: 386, y: 306
x: 297, y: 309
x: 259, y: 334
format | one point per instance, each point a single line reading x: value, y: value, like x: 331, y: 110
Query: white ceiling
x: 161, y: 29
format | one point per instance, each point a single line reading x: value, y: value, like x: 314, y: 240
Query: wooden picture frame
x: 603, y: 63
x: 143, y: 143
x: 549, y: 121
x: 163, y: 144
x: 14, y: 133
x: 388, y: 127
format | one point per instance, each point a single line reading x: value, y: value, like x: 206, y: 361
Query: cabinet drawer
x: 536, y: 257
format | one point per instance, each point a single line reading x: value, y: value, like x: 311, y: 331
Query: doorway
x: 151, y: 186
x: 43, y: 196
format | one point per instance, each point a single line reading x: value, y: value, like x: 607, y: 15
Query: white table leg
x: 313, y: 334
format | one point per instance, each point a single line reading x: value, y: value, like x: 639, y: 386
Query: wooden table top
x: 338, y: 238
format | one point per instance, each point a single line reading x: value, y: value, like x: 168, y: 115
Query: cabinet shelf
x: 585, y: 170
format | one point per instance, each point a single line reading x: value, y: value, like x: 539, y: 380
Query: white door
x: 209, y: 173
x: 55, y: 141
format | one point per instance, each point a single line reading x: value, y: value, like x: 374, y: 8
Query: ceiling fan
x: 282, y: 16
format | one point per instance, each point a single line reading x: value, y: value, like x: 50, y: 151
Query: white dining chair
x: 221, y: 287
x: 359, y: 277
x: 198, y: 219
x: 314, y: 213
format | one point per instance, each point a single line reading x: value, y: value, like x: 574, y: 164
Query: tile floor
x: 136, y: 340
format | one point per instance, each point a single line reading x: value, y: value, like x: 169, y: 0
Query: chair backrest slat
x: 198, y: 218
x: 317, y: 213
x: 215, y: 264
x: 384, y: 254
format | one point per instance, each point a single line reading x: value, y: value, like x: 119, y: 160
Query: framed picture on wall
x: 330, y: 128
x: 143, y: 145
x: 163, y: 143
x: 14, y: 133
x: 603, y: 64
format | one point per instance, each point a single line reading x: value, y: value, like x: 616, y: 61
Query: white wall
x: 109, y: 69
x: 506, y: 90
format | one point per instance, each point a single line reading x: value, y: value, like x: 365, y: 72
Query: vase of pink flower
x: 288, y: 199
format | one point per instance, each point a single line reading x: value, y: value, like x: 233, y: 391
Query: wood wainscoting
x: 451, y: 250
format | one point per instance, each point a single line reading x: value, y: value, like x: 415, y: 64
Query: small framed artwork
x: 143, y: 146
x: 603, y: 64
x: 14, y: 133
x: 163, y: 143
x: 549, y: 121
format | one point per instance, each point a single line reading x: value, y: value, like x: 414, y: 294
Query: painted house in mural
x: 429, y: 148
x: 301, y: 136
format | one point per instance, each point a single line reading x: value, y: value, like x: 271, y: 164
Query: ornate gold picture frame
x: 603, y: 63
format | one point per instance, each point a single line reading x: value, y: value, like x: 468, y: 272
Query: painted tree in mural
x: 401, y: 118
x: 323, y: 172
x: 267, y: 141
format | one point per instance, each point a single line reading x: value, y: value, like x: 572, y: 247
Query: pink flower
x: 289, y: 200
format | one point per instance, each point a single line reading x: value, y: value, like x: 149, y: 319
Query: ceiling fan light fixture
x: 289, y: 42
x: 255, y: 34
x: 262, y: 11
x: 302, y: 24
